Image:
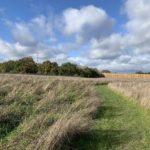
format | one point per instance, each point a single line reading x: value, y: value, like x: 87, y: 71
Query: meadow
x: 72, y: 113
x: 43, y: 113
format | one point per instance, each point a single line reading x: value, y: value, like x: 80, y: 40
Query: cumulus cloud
x: 42, y: 26
x: 42, y: 51
x: 5, y: 47
x: 138, y: 37
x: 128, y: 51
x: 32, y: 38
x: 106, y: 48
x: 23, y: 35
x: 87, y: 22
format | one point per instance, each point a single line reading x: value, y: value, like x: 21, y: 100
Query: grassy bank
x: 120, y: 125
x: 43, y: 113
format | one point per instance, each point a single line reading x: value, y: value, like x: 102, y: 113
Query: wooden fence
x: 126, y: 76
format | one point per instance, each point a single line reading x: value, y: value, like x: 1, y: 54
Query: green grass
x: 20, y: 109
x: 120, y: 125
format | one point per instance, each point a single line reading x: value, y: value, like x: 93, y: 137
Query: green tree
x: 54, y: 68
x: 8, y: 67
x: 139, y: 72
x: 90, y: 72
x: 0, y: 67
x: 69, y: 69
x: 106, y: 71
x: 26, y: 65
x: 48, y: 68
x: 45, y: 67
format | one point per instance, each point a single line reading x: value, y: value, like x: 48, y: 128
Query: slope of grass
x: 42, y: 113
x: 120, y: 125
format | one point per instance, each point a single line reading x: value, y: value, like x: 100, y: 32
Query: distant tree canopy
x: 141, y: 72
x: 24, y: 65
x: 48, y: 68
x: 28, y: 65
x: 106, y: 71
x: 69, y: 69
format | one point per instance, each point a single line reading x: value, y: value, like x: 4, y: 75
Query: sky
x: 104, y: 34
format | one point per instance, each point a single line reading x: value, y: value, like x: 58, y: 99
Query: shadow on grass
x: 102, y: 139
x: 107, y: 112
x: 8, y: 123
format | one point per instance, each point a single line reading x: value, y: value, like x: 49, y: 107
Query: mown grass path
x: 120, y: 125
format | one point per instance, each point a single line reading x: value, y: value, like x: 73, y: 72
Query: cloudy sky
x: 106, y: 34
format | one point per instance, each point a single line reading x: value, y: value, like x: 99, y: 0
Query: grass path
x: 120, y: 125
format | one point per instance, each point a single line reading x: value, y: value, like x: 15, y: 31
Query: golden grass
x: 42, y: 113
x: 139, y: 91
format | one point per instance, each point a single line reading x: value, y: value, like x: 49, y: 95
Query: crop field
x: 126, y: 76
x: 70, y: 113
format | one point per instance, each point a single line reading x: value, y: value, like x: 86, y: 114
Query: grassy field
x: 51, y: 113
x: 120, y: 125
x: 42, y: 113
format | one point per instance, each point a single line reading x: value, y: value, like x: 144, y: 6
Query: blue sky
x: 99, y: 33
x: 27, y: 9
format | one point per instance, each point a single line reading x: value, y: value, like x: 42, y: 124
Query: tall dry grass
x: 43, y: 113
x: 140, y: 91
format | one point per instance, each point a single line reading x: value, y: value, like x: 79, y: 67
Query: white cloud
x: 23, y: 35
x: 5, y: 48
x: 87, y: 22
x: 138, y: 36
x: 106, y: 48
x: 131, y: 50
x: 137, y: 9
x: 31, y: 38
x: 17, y: 50
x: 42, y: 25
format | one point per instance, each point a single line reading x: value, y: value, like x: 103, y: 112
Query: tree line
x: 27, y: 65
x: 141, y: 72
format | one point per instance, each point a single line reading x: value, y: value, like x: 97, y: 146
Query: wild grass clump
x: 43, y: 113
x: 136, y: 90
